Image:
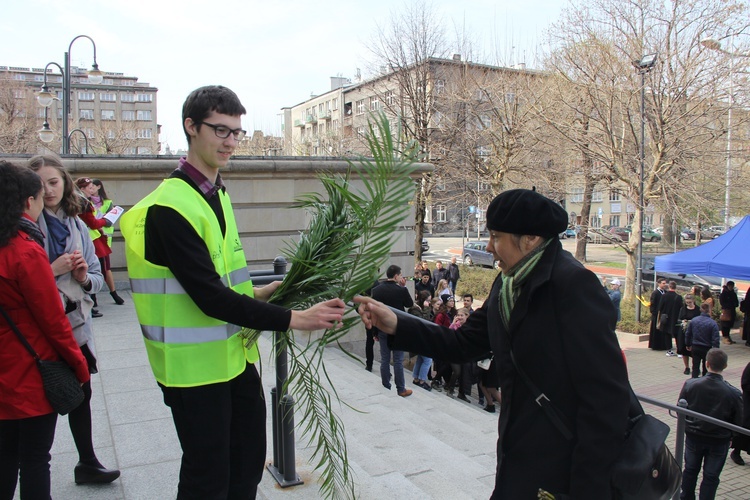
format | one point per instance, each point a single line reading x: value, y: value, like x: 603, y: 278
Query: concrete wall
x: 262, y: 190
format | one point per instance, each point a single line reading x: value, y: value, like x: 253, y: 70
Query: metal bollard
x: 679, y: 440
x: 275, y: 428
x: 286, y: 408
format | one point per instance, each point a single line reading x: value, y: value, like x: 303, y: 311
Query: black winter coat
x: 562, y: 335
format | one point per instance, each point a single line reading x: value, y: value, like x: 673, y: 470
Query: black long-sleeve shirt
x: 171, y: 241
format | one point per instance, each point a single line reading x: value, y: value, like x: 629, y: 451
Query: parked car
x: 425, y: 246
x: 709, y: 233
x: 683, y: 280
x: 622, y: 233
x: 475, y: 254
x: 687, y: 234
x: 568, y: 233
x: 647, y: 234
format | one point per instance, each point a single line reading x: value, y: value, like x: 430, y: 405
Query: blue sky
x: 273, y: 54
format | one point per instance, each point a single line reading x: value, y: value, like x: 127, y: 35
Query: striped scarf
x: 513, y: 280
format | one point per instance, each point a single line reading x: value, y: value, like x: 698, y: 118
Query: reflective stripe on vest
x: 186, y: 347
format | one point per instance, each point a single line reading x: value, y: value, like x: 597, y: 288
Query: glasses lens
x: 222, y: 132
x: 239, y: 134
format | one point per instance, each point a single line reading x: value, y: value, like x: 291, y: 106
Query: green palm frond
x: 349, y: 239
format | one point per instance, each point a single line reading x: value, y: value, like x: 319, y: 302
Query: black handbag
x: 62, y: 388
x: 646, y: 469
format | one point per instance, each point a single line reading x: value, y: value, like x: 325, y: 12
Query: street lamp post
x: 45, y: 96
x: 644, y: 66
x: 714, y: 44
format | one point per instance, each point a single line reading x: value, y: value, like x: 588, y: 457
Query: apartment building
x: 117, y: 116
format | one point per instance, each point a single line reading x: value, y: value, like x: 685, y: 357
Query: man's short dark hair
x: 392, y: 271
x: 705, y: 308
x: 468, y: 295
x: 201, y: 102
x: 717, y: 359
x: 673, y: 285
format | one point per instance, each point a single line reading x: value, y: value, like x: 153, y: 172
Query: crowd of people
x: 49, y: 271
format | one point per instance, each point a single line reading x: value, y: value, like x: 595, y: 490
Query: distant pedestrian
x: 706, y: 443
x: 656, y: 339
x: 390, y: 292
x: 667, y: 314
x: 688, y: 312
x: 440, y: 273
x: 454, y: 274
x: 615, y: 296
x: 729, y: 304
x: 701, y: 335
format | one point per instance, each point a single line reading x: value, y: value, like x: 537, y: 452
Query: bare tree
x: 18, y: 117
x: 682, y: 91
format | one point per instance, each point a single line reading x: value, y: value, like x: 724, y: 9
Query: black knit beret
x: 522, y: 211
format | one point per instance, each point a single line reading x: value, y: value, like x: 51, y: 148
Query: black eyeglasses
x: 223, y: 132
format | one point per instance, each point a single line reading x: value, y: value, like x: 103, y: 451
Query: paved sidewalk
x: 424, y: 446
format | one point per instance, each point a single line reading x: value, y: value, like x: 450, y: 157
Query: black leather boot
x: 118, y: 300
x: 85, y: 474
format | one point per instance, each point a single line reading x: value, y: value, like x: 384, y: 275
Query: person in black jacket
x: 741, y: 442
x: 656, y: 339
x: 563, y: 338
x: 705, y: 442
x: 729, y: 304
x: 701, y: 334
x: 393, y: 294
x: 668, y: 312
x: 454, y: 274
x: 440, y: 273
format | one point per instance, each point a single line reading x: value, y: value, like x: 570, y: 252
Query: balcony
x: 311, y: 119
x: 299, y: 123
x: 325, y: 115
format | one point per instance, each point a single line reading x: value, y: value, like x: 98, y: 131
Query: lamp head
x: 45, y: 97
x: 647, y: 61
x: 95, y: 75
x: 45, y: 134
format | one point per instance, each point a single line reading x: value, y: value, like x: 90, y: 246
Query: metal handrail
x: 682, y: 412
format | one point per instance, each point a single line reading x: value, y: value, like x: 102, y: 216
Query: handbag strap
x: 20, y: 335
x: 635, y: 409
x: 554, y: 415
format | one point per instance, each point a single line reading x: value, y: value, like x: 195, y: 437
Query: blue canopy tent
x: 727, y: 256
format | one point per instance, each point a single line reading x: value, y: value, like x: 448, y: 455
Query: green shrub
x: 476, y: 281
x: 628, y: 322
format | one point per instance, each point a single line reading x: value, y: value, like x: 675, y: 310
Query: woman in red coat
x: 29, y: 296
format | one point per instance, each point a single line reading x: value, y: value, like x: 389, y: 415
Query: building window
x: 374, y: 103
x: 19, y: 94
x: 361, y: 132
x: 111, y: 134
x: 480, y: 214
x: 86, y: 114
x: 390, y: 98
x: 107, y: 97
x: 143, y: 115
x: 89, y: 133
x: 361, y: 107
x: 39, y: 78
x: 130, y: 134
x: 596, y: 196
x: 127, y: 98
x: 335, y: 125
x: 441, y: 213
x: 595, y: 221
x: 128, y: 115
x: 576, y: 195
x: 19, y: 76
x: 614, y: 195
x: 130, y: 151
x: 439, y: 86
x: 144, y: 150
x: 144, y: 97
x: 335, y: 103
x: 144, y: 133
x: 85, y: 96
x: 484, y: 186
x: 108, y: 81
x: 108, y: 114
x: 648, y: 220
x: 614, y: 220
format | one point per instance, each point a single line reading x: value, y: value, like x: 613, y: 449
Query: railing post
x: 679, y: 441
x: 283, y: 468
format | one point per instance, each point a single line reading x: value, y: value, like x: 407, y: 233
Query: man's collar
x: 205, y: 186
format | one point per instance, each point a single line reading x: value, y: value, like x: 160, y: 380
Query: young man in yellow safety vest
x: 192, y: 292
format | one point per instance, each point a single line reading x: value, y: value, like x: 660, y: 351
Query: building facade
x: 117, y: 116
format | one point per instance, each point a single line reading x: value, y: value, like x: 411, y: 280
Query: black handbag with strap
x: 646, y: 469
x: 62, y: 388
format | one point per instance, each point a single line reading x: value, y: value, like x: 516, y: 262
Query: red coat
x: 101, y: 247
x: 29, y: 295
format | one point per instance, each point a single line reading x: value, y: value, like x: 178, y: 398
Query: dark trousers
x: 24, y: 447
x: 369, y: 347
x: 79, y: 419
x: 698, y: 353
x: 222, y: 431
x: 713, y: 456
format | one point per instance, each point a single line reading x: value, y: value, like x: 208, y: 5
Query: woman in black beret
x: 562, y: 337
